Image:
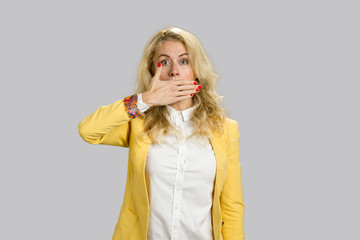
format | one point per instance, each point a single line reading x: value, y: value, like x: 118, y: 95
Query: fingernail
x: 159, y: 64
x: 191, y: 94
x: 196, y: 83
x: 197, y: 90
x: 200, y: 87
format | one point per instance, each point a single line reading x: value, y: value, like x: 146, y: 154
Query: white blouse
x: 180, y: 178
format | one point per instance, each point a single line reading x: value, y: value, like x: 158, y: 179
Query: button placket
x: 183, y: 153
x: 179, y: 180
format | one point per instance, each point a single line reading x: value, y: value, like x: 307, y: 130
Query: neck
x: 182, y: 105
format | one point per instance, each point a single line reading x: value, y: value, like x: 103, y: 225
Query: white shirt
x: 180, y: 180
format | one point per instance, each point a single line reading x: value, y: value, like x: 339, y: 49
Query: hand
x: 163, y: 92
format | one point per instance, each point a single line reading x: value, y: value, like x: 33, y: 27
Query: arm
x: 110, y: 124
x: 232, y: 202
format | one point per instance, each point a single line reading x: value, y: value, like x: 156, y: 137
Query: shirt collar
x: 183, y: 116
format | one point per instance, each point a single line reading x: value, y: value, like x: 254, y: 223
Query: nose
x: 174, y: 70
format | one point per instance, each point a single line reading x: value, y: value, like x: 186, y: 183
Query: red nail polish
x: 159, y: 64
x: 196, y: 83
x: 200, y: 87
x: 197, y: 90
x: 191, y: 94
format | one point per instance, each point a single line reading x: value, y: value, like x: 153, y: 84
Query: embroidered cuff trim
x: 131, y: 106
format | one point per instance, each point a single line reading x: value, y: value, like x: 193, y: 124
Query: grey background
x: 289, y: 71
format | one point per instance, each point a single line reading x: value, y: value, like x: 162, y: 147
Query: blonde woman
x: 184, y: 175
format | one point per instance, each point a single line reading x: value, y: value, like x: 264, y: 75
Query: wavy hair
x: 208, y: 116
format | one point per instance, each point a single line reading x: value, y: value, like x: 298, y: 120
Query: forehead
x: 172, y: 48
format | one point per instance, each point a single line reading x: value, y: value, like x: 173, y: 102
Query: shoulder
x: 230, y: 122
x: 231, y: 128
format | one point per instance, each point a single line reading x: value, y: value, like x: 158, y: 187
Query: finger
x: 184, y: 97
x: 186, y: 82
x: 158, y: 71
x: 186, y: 92
x: 188, y: 87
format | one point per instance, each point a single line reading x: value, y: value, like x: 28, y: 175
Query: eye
x: 184, y: 61
x: 164, y: 62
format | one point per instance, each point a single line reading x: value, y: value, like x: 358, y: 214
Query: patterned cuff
x: 131, y: 106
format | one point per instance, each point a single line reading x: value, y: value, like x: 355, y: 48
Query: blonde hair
x: 207, y: 116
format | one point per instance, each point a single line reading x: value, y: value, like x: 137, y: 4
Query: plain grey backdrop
x: 289, y: 71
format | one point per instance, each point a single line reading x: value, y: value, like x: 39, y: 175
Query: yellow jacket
x: 112, y: 125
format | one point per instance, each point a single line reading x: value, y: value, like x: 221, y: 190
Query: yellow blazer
x: 112, y: 125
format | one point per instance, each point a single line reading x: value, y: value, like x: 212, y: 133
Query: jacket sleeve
x: 110, y: 125
x: 232, y: 196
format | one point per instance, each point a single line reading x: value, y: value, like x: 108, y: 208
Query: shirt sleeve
x: 141, y: 105
x: 110, y: 124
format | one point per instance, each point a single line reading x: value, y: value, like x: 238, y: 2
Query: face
x: 175, y: 61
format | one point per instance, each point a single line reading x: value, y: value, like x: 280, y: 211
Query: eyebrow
x: 164, y: 55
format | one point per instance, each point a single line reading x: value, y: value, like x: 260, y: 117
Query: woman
x: 183, y: 179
